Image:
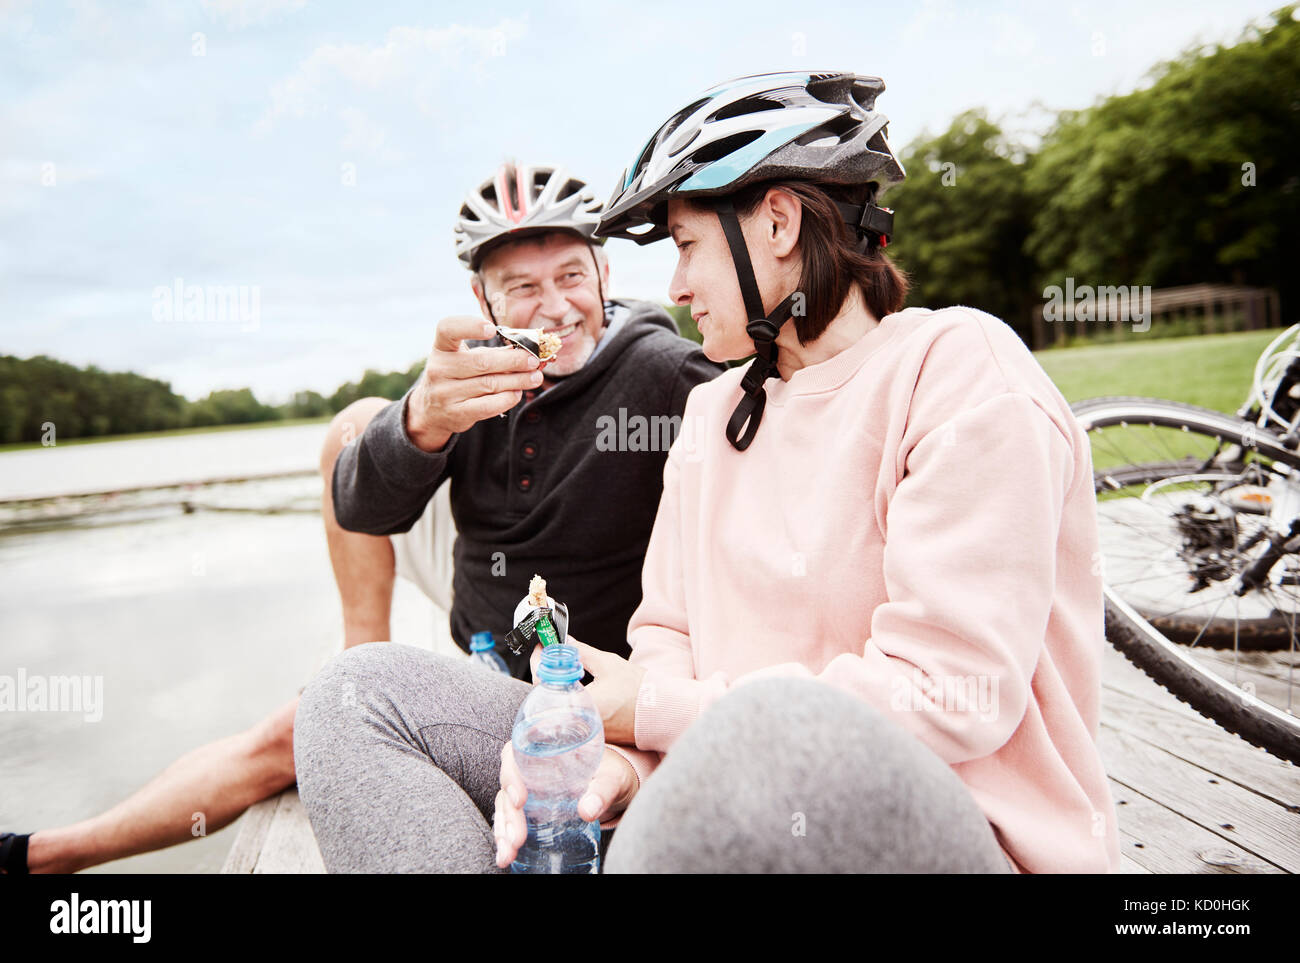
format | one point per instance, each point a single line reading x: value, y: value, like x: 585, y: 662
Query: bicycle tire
x: 1270, y: 633
x: 1227, y: 706
x: 1163, y: 660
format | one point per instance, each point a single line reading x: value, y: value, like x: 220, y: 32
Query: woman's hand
x: 614, y: 688
x: 609, y: 793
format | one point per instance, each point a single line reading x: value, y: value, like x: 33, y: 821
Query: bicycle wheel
x: 1190, y: 502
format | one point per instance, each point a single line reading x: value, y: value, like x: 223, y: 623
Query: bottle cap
x: 559, y: 663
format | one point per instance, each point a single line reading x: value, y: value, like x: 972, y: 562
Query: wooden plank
x: 1273, y: 680
x: 1158, y: 840
x: 1236, y: 815
x: 290, y: 846
x: 1121, y: 675
x: 1221, y: 754
x: 253, y: 828
x: 1130, y: 867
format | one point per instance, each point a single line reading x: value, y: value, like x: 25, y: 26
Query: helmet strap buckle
x: 873, y: 224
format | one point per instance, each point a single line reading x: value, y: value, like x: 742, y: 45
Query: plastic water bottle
x: 482, y: 648
x: 558, y: 742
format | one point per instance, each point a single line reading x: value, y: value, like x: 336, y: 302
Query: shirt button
x: 532, y: 417
x: 529, y: 452
x: 525, y: 482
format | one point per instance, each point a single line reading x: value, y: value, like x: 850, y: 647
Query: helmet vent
x: 676, y: 121
x: 721, y: 148
x: 750, y: 105
x: 833, y: 132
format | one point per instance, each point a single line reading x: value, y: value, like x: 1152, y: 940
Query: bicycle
x: 1199, y: 518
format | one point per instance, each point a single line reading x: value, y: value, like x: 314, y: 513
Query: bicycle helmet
x: 819, y: 126
x: 521, y: 200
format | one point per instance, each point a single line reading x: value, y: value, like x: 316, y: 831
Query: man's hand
x: 609, y: 793
x: 461, y: 386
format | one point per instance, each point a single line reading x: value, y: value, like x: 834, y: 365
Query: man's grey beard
x: 560, y: 377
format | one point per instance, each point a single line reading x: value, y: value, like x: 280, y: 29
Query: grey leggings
x: 398, y: 754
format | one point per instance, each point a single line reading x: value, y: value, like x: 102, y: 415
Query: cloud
x: 238, y: 14
x: 932, y: 12
x: 417, y: 64
x: 1013, y: 37
x: 367, y: 136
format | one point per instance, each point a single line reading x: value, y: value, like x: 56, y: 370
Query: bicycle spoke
x: 1178, y: 528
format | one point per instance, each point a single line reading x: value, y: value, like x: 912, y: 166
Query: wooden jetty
x: 1190, y: 797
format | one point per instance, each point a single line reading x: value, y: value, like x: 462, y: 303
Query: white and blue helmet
x: 820, y: 126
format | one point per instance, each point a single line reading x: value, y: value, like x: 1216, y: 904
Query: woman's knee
x: 344, y: 686
x: 792, y: 775
x: 819, y: 721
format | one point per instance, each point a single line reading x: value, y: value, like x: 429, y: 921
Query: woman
x: 871, y: 632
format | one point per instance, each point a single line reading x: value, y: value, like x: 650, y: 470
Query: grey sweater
x: 539, y: 491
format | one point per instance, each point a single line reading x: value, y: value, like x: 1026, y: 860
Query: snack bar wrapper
x: 537, y: 343
x: 538, y: 618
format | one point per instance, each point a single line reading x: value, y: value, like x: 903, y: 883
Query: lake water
x: 137, y: 462
x: 198, y: 623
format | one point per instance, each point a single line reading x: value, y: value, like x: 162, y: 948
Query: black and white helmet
x: 519, y: 200
x: 817, y: 126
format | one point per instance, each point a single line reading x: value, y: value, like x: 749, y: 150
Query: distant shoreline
x: 169, y: 433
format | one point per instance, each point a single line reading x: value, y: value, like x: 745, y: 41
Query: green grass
x: 170, y: 434
x: 1213, y: 371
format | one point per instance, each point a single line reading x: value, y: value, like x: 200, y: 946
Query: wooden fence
x: 1189, y: 309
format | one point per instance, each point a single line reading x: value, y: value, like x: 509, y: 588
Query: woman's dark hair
x: 831, y: 262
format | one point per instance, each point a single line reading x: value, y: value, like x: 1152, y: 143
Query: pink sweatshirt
x: 915, y: 524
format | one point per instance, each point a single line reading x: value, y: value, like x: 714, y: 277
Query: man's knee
x: 271, y: 745
x: 348, y: 425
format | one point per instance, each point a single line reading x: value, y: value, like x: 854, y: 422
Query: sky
x: 311, y: 157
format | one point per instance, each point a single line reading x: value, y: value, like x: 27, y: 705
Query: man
x: 532, y: 490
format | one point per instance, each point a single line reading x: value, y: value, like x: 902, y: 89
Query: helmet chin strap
x: 763, y: 329
x: 873, y: 226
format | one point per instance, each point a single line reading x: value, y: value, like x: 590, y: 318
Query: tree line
x: 1189, y: 180
x: 88, y: 402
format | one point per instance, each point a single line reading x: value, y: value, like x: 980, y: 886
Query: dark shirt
x: 566, y: 485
